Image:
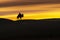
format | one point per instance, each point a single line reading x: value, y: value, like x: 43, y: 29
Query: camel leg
x: 20, y: 18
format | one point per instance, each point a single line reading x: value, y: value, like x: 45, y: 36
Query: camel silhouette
x: 20, y: 15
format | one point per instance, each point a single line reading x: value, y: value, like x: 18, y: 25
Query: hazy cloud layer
x: 16, y: 12
x: 6, y: 3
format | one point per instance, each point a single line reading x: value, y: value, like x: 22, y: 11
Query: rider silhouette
x: 20, y: 15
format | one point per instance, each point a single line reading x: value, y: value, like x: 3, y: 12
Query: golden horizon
x: 36, y: 12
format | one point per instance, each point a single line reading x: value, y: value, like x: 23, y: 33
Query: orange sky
x: 30, y: 11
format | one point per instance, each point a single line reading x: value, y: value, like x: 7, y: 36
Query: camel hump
x: 20, y: 15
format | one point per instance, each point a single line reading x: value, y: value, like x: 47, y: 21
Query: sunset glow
x: 34, y: 11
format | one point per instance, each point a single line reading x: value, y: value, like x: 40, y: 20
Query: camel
x: 20, y: 15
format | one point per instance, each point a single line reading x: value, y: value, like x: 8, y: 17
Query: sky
x: 32, y: 9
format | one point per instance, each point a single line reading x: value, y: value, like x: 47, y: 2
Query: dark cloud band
x: 7, y: 4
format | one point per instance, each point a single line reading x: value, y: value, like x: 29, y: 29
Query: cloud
x: 16, y: 12
x: 7, y: 3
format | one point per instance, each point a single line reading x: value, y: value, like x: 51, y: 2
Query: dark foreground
x: 48, y: 29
